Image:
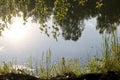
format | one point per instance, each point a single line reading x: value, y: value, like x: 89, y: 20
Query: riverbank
x: 111, y: 75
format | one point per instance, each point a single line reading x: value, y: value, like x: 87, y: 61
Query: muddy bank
x: 90, y: 76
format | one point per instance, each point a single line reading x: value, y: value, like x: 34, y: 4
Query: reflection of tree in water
x: 72, y: 24
x: 109, y: 16
x: 69, y: 14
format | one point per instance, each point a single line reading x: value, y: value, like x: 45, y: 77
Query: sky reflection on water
x: 35, y: 43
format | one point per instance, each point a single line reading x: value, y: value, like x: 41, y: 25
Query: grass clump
x: 5, y: 68
x: 63, y: 67
x: 45, y: 67
x: 9, y: 67
x: 110, y: 60
x: 111, y: 57
x: 67, y: 66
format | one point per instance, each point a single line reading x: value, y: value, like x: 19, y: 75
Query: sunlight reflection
x: 17, y: 30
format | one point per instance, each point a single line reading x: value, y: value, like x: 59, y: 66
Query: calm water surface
x: 89, y: 44
x: 20, y: 42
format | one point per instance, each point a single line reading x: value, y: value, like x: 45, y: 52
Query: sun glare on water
x: 17, y: 30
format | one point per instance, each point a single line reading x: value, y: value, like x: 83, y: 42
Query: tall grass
x: 112, y: 53
x: 67, y: 65
x: 110, y: 61
x: 45, y: 67
x: 48, y: 70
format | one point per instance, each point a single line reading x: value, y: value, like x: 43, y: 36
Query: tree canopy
x: 68, y: 14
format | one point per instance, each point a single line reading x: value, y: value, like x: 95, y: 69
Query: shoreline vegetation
x: 105, y: 68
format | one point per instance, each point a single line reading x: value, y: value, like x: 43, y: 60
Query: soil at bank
x: 90, y: 76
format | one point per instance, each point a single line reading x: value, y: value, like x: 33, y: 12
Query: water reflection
x: 89, y: 43
x: 72, y: 24
x: 77, y: 21
x: 68, y: 14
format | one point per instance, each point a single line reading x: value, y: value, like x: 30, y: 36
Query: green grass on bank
x: 45, y: 69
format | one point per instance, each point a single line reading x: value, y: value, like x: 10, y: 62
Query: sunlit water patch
x: 33, y: 43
